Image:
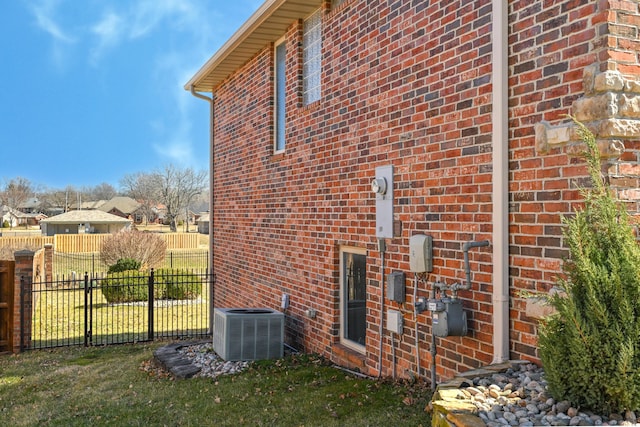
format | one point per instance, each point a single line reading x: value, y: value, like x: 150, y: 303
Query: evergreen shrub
x: 133, y: 286
x: 125, y: 286
x: 178, y: 284
x: 590, y: 348
x: 124, y: 264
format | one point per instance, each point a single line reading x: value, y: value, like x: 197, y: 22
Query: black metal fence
x: 100, y: 309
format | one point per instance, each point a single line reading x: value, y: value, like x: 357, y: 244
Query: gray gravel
x: 519, y: 397
x: 210, y: 364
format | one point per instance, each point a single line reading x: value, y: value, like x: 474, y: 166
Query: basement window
x: 353, y: 298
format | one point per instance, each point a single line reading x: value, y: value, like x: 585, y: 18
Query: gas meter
x: 449, y: 318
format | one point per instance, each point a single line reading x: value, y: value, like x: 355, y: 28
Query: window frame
x: 312, y: 65
x: 344, y: 340
x: 279, y: 95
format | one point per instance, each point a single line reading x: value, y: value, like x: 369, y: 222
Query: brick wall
x: 556, y: 53
x: 408, y: 84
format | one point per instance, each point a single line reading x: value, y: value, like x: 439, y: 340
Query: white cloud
x: 109, y: 31
x: 148, y: 14
x: 44, y: 11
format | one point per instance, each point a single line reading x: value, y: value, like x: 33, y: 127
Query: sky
x: 93, y: 90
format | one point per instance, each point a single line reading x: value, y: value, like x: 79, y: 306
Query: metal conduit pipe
x: 415, y: 321
x: 212, y: 270
x: 382, y: 247
x: 433, y: 345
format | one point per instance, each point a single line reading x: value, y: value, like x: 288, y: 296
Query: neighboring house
x: 9, y: 216
x: 31, y: 205
x: 16, y: 218
x: 462, y: 107
x: 203, y: 223
x: 79, y: 222
x: 124, y: 207
x: 30, y: 219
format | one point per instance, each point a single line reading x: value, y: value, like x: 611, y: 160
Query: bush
x: 132, y: 286
x: 178, y: 284
x: 146, y: 248
x: 124, y: 264
x: 125, y: 286
x: 5, y: 224
x: 590, y: 349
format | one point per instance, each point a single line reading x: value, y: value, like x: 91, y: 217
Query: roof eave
x: 266, y: 25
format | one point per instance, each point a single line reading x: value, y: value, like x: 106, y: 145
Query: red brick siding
x: 549, y: 47
x: 408, y: 84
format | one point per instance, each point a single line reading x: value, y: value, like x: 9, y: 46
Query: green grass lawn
x: 108, y: 386
x: 59, y: 318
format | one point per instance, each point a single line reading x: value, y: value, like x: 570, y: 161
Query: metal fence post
x: 151, y: 314
x: 86, y: 310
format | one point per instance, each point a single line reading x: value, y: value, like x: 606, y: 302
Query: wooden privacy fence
x: 79, y: 243
x: 34, y: 242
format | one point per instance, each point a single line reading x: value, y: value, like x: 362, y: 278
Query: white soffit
x: 265, y: 26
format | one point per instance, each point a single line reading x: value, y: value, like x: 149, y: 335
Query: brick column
x: 22, y: 297
x: 48, y: 263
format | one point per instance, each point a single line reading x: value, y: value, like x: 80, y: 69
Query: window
x: 279, y: 95
x: 353, y: 300
x: 312, y: 57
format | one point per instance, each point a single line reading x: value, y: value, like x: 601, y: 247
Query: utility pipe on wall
x: 500, y: 179
x: 212, y: 270
x: 382, y: 247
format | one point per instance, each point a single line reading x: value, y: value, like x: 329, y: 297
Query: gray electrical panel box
x: 421, y: 253
x: 382, y: 186
x: 451, y: 321
x: 396, y: 286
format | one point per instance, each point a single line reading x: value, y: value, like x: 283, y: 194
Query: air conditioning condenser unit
x: 248, y: 333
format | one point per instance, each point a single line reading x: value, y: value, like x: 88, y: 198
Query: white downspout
x: 500, y: 178
x: 212, y: 269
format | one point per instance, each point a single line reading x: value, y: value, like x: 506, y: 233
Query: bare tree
x: 178, y: 188
x: 103, y: 191
x: 144, y: 188
x: 54, y: 200
x: 16, y: 191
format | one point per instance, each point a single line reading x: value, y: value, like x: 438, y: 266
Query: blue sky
x: 92, y: 90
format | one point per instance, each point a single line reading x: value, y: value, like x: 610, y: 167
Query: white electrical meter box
x: 394, y: 321
x: 382, y: 187
x: 421, y: 253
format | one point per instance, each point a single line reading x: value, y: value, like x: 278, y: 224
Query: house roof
x: 266, y: 25
x: 126, y: 205
x: 30, y: 203
x: 4, y: 209
x: 93, y: 204
x: 81, y: 217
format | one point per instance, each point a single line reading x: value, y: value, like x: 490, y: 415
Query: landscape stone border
x: 449, y: 409
x: 173, y: 361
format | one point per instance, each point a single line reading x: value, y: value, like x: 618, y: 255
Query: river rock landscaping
x: 518, y: 396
